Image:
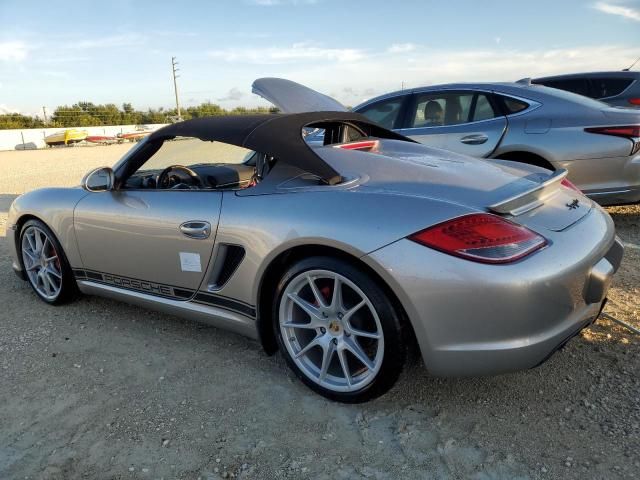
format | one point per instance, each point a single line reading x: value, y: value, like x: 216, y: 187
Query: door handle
x: 475, y: 139
x: 196, y: 229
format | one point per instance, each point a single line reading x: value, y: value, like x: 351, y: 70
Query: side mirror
x: 99, y: 180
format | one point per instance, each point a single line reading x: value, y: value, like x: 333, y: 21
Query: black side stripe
x: 226, y: 303
x: 166, y: 291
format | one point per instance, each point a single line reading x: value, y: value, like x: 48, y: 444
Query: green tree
x: 89, y: 114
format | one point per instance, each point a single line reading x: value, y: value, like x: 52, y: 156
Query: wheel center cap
x: 334, y: 327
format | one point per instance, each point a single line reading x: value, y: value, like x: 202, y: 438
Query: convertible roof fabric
x: 278, y: 135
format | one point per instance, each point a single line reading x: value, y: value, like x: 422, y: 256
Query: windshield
x: 190, y: 151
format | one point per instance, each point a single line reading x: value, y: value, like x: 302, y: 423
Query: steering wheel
x: 164, y: 179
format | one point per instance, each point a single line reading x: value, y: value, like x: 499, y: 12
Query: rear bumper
x: 475, y: 319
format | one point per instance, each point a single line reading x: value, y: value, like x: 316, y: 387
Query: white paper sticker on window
x: 190, y: 262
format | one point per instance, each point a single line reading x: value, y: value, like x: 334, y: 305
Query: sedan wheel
x: 334, y: 324
x: 44, y: 263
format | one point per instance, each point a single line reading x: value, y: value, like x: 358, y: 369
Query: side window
x: 511, y: 105
x: 384, y: 112
x: 188, y: 163
x: 575, y: 85
x: 483, y: 110
x: 609, y: 87
x: 440, y: 109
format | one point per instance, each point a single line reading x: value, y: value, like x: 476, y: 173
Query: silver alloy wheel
x: 331, y: 330
x: 41, y: 262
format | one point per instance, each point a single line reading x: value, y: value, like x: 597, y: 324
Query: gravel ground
x: 100, y: 389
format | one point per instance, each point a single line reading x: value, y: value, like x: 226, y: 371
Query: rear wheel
x: 45, y: 264
x: 338, y: 330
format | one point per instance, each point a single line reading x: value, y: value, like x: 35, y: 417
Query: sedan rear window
x: 512, y: 105
x: 609, y: 87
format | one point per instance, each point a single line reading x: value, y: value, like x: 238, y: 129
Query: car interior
x: 189, y: 163
x: 436, y: 110
x: 223, y: 168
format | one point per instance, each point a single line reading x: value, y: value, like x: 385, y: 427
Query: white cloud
x: 55, y: 74
x: 401, y: 48
x: 4, y: 109
x: 299, y: 52
x: 354, y: 82
x: 13, y: 51
x: 112, y: 41
x: 620, y: 10
x: 233, y: 95
x: 62, y: 59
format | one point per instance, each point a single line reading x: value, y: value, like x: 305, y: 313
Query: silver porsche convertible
x: 342, y: 256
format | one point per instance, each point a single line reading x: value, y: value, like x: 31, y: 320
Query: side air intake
x: 227, y: 261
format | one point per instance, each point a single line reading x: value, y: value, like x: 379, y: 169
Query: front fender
x: 54, y: 207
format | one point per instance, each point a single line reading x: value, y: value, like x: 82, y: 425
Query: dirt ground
x: 100, y: 389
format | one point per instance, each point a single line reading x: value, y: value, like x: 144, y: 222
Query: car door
x: 465, y: 121
x: 157, y: 237
x: 158, y: 226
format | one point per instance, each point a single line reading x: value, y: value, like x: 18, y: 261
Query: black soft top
x: 277, y: 135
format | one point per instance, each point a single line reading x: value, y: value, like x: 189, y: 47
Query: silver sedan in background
x: 599, y: 145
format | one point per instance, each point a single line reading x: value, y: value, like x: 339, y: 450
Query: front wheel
x: 338, y: 330
x: 45, y: 264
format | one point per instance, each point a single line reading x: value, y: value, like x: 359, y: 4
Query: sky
x: 55, y: 53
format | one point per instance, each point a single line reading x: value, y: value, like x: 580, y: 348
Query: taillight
x: 565, y: 182
x: 363, y: 145
x: 634, y: 101
x: 481, y: 237
x: 629, y: 131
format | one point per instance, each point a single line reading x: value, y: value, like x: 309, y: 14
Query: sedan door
x: 461, y: 121
x: 148, y: 239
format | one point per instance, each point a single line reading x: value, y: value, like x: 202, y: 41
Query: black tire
x: 68, y: 289
x: 395, y: 347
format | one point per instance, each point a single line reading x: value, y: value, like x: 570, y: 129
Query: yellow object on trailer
x: 66, y: 137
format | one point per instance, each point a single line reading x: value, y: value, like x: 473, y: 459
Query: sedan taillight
x: 627, y: 131
x: 567, y: 183
x: 481, y: 237
x: 632, y: 132
x: 634, y: 101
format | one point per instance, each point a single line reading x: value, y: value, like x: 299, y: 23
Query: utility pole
x: 44, y: 112
x: 402, y: 88
x: 175, y: 85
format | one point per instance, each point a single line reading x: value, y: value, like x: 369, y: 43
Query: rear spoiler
x: 531, y: 198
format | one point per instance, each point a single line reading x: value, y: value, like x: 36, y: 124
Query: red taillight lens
x: 565, y: 182
x: 481, y: 237
x: 634, y: 101
x: 629, y: 131
x: 363, y: 145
